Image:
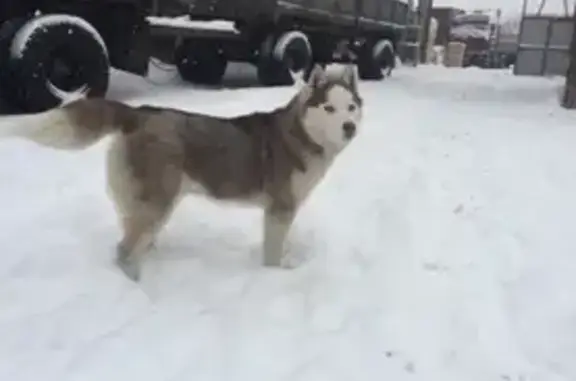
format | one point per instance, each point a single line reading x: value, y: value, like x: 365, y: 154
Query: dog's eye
x: 330, y: 109
x: 351, y: 108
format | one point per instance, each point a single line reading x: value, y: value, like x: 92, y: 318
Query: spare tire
x: 55, y: 58
x: 279, y: 57
x: 376, y: 59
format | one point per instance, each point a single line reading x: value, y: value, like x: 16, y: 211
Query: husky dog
x: 268, y: 159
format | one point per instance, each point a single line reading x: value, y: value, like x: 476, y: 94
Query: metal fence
x: 543, y: 45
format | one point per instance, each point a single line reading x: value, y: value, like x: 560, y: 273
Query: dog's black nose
x: 349, y: 129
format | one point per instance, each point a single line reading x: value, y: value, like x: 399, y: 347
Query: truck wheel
x: 375, y: 60
x: 281, y: 57
x: 57, y: 58
x: 8, y: 86
x: 200, y: 62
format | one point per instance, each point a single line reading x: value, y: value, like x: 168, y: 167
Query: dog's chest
x: 303, y: 183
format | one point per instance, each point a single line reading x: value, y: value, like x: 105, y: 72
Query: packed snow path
x: 440, y: 248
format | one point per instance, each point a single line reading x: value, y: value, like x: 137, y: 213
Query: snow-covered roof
x: 469, y: 31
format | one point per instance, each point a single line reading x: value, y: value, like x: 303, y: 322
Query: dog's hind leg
x: 141, y: 226
x: 144, y: 201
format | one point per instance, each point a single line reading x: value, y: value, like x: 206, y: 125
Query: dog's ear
x: 349, y: 76
x: 318, y: 77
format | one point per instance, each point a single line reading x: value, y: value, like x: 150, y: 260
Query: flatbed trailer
x: 50, y: 49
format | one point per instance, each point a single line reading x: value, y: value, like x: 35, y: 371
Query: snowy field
x: 440, y: 248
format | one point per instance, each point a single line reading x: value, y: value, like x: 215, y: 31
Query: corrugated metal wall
x: 543, y: 45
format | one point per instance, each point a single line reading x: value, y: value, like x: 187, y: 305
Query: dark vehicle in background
x: 51, y: 48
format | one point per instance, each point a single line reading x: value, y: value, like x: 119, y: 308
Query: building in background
x: 490, y: 42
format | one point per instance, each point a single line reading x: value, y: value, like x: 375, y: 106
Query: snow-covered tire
x: 291, y: 52
x: 200, y: 62
x: 376, y: 60
x: 57, y: 57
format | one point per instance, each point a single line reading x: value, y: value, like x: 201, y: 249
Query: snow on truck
x: 51, y: 48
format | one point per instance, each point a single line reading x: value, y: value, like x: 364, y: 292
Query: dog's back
x: 226, y: 158
x: 216, y: 156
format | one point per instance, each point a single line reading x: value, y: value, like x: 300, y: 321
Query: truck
x: 53, y: 49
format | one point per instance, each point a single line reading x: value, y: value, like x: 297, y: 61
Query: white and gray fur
x: 158, y: 155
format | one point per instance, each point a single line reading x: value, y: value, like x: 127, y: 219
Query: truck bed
x: 376, y: 12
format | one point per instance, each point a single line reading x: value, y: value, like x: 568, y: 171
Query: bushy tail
x: 72, y: 127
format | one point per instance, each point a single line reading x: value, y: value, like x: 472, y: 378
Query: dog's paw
x: 293, y: 259
x: 293, y: 255
x: 272, y: 260
x: 152, y: 246
x: 288, y: 262
x: 296, y: 254
x: 130, y: 268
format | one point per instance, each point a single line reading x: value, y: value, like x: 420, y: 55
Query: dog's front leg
x: 277, y: 223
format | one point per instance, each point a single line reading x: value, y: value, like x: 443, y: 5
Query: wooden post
x: 569, y: 97
x: 424, y: 9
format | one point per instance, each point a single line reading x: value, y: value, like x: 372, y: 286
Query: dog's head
x: 331, y: 107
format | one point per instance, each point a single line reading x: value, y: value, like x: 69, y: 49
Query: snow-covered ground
x: 440, y: 248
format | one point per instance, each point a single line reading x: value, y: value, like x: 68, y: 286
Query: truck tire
x: 375, y: 60
x: 8, y: 86
x: 200, y: 62
x: 56, y: 58
x: 291, y: 52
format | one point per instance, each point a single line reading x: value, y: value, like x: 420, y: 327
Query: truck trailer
x: 50, y: 49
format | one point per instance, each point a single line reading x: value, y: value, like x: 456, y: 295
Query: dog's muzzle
x: 349, y: 129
